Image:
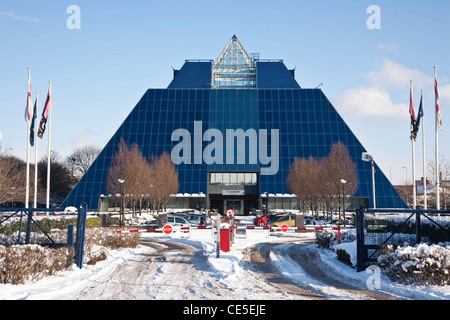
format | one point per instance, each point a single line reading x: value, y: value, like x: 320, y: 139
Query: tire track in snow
x: 300, y: 264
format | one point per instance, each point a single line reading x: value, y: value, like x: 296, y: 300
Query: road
x: 180, y: 271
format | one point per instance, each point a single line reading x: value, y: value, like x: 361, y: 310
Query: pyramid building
x: 233, y: 127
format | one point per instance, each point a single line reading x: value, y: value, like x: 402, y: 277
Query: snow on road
x: 283, y: 267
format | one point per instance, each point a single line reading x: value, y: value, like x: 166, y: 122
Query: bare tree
x: 79, y: 161
x: 317, y: 183
x: 444, y: 182
x: 137, y: 180
x: 297, y: 181
x: 342, y: 167
x: 137, y: 176
x: 165, y: 177
x: 61, y: 181
x: 119, y: 179
x: 12, y: 179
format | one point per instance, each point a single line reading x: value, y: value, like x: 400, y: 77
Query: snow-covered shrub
x: 328, y: 239
x: 22, y: 263
x: 344, y: 250
x: 429, y: 265
x: 47, y: 224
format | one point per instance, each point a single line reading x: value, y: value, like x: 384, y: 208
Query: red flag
x: 412, y: 113
x: 28, y: 107
x: 47, y: 107
x: 436, y: 93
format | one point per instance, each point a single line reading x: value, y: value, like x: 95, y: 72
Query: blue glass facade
x: 257, y: 130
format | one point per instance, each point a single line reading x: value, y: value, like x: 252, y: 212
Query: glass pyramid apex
x: 234, y: 68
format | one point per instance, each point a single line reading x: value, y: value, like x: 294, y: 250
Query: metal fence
x: 27, y: 217
x: 376, y: 228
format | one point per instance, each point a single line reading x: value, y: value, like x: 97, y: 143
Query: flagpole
x: 48, y: 150
x: 413, y: 154
x: 27, y: 185
x: 425, y: 205
x: 438, y: 204
x: 414, y: 174
x: 35, y: 152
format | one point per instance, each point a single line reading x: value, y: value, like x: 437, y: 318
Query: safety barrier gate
x: 27, y: 213
x: 381, y: 222
x: 307, y: 228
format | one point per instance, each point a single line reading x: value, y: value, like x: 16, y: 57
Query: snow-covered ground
x: 191, y: 270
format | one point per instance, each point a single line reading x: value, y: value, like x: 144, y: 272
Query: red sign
x: 167, y: 229
x: 284, y: 227
x: 230, y: 213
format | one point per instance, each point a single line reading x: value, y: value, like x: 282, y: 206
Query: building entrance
x: 233, y: 190
x: 236, y: 205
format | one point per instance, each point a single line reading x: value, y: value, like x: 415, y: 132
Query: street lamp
x: 406, y: 175
x: 121, y: 181
x: 343, y: 181
x: 368, y: 158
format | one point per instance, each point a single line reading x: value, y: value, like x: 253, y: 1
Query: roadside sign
x: 167, y: 229
x: 376, y: 225
x: 284, y: 227
x: 230, y: 213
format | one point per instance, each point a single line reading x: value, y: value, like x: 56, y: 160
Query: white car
x: 70, y: 210
x: 177, y: 221
x: 198, y: 219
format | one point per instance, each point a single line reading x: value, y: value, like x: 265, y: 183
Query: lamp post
x: 121, y: 181
x: 406, y: 175
x: 368, y: 158
x: 343, y: 181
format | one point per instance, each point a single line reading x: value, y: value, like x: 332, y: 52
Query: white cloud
x: 370, y: 102
x: 444, y: 92
x: 17, y: 17
x: 394, y: 76
x: 377, y: 98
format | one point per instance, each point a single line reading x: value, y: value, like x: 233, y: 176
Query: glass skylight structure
x: 233, y: 128
x: 234, y: 68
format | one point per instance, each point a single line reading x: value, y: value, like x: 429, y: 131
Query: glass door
x: 236, y: 205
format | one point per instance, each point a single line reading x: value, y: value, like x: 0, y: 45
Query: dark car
x: 264, y: 220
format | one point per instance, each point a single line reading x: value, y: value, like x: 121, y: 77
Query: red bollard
x: 225, y: 240
x: 339, y: 234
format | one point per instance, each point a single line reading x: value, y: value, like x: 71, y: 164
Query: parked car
x: 264, y: 220
x: 288, y: 219
x: 199, y: 219
x: 178, y: 221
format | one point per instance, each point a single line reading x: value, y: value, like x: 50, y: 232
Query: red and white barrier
x: 162, y: 229
x: 168, y: 229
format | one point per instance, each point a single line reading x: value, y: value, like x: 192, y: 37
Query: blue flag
x: 419, y: 114
x: 33, y: 121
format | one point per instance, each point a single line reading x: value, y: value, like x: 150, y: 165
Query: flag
x: 436, y: 93
x: 419, y: 114
x: 28, y: 107
x: 47, y: 107
x: 412, y: 113
x: 33, y: 121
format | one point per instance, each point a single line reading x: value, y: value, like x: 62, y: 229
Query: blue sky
x: 100, y: 71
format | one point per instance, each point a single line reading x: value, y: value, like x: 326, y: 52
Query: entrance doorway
x: 236, y: 205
